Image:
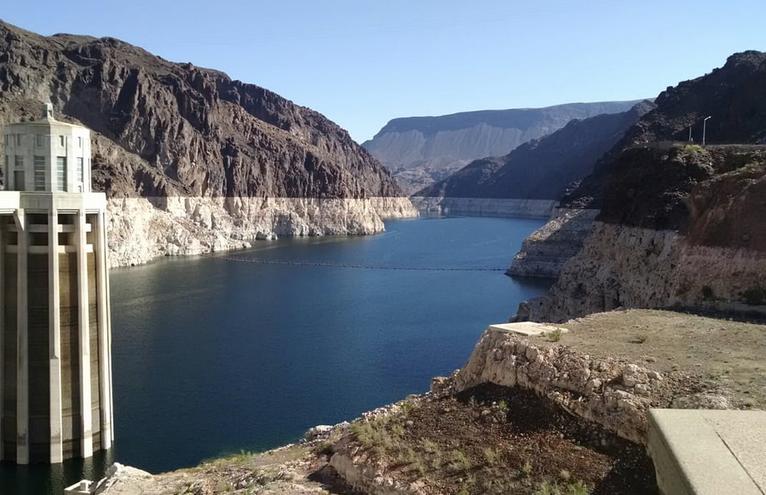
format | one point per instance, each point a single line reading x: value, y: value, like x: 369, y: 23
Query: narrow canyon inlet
x: 246, y: 350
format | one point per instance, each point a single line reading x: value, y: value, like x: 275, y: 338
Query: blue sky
x: 362, y: 63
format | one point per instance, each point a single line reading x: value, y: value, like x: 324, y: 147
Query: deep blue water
x: 213, y: 356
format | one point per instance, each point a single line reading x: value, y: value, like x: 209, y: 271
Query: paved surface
x: 703, y: 452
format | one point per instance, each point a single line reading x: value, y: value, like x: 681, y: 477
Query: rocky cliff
x: 421, y: 150
x: 198, y: 160
x: 678, y: 228
x: 673, y: 229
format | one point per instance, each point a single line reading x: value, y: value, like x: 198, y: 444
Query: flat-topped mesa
x: 423, y: 150
x: 200, y: 161
x: 55, y: 368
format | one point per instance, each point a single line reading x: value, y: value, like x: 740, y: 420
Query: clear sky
x: 363, y: 62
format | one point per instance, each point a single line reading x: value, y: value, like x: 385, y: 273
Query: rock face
x: 168, y: 130
x: 141, y: 229
x: 421, y: 149
x: 543, y: 168
x: 733, y: 96
x: 673, y: 213
x: 610, y: 393
x: 544, y: 252
x: 676, y: 231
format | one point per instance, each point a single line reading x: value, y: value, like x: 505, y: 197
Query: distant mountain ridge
x: 541, y: 168
x: 425, y: 149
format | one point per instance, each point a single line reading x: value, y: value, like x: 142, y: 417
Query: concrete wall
x: 55, y: 387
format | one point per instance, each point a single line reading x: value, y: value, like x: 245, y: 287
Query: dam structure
x: 55, y: 334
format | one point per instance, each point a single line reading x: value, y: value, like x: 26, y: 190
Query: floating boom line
x: 326, y: 264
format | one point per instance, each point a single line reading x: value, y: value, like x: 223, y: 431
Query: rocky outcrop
x: 141, y: 229
x: 610, y: 393
x: 622, y: 266
x: 484, y: 207
x: 677, y: 230
x: 169, y: 130
x: 433, y: 145
x: 544, y: 252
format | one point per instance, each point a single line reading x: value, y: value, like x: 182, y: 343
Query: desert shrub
x: 554, y: 336
x: 707, y: 292
x: 755, y: 296
x: 550, y: 488
x: 459, y: 462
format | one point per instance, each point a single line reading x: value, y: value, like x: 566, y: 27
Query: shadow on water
x: 42, y: 478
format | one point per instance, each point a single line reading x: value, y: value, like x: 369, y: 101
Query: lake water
x: 242, y: 351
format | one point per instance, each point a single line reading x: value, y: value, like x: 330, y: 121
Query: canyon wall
x: 141, y: 229
x: 679, y: 224
x: 623, y: 266
x: 544, y: 252
x: 191, y: 160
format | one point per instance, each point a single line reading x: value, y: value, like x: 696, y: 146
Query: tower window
x: 18, y: 180
x: 61, y: 173
x: 80, y: 171
x: 19, y: 161
x: 18, y: 139
x: 39, y: 173
x: 61, y: 140
x: 39, y: 141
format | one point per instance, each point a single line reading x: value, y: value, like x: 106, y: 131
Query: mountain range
x: 542, y: 168
x: 421, y: 150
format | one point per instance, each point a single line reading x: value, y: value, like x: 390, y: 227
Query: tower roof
x: 46, y: 119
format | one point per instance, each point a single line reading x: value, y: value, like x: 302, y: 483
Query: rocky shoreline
x: 142, y: 229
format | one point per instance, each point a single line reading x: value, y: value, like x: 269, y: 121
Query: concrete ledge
x: 527, y: 328
x: 708, y: 452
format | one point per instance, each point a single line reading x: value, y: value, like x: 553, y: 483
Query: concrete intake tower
x: 55, y: 334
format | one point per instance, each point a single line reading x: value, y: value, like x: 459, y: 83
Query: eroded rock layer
x: 544, y: 252
x: 141, y: 229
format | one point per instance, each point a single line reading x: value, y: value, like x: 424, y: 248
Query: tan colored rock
x: 141, y: 229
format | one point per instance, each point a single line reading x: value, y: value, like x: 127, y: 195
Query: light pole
x: 690, y: 133
x: 704, y: 125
